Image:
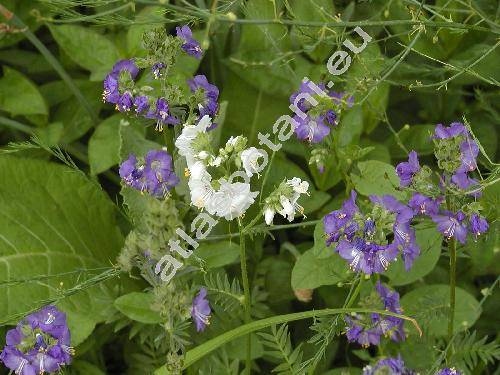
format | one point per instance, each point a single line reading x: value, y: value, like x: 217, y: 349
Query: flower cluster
x: 316, y: 111
x: 40, y: 343
x: 284, y: 200
x: 156, y: 175
x: 362, y: 240
x: 200, y: 311
x: 449, y: 371
x: 391, y: 366
x: 120, y: 88
x: 456, y: 153
x: 221, y: 197
x: 367, y: 330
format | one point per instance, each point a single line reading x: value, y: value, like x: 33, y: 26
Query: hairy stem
x: 452, y: 246
x: 246, y: 291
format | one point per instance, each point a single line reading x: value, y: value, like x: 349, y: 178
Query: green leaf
x: 104, y: 145
x: 137, y: 306
x: 311, y: 271
x: 218, y: 254
x: 416, y: 137
x: 429, y: 240
x: 54, y: 221
x: 86, y: 47
x: 20, y: 96
x: 81, y: 367
x: 429, y: 305
x: 376, y: 177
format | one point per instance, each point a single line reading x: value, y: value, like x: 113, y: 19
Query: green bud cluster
x: 273, y: 201
x: 160, y: 47
x: 447, y: 152
x: 153, y: 231
x: 173, y: 302
x: 319, y: 157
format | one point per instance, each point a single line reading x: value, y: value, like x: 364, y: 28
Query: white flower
x: 298, y: 185
x: 269, y: 215
x: 288, y: 208
x: 203, y: 155
x: 202, y: 192
x: 250, y: 157
x: 216, y: 162
x: 189, y: 133
x: 233, y: 199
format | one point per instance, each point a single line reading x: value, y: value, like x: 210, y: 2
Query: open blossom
x: 406, y: 170
x: 390, y: 366
x: 40, y: 343
x: 284, y: 200
x: 250, y: 160
x: 455, y: 129
x: 188, y: 135
x: 190, y: 45
x: 200, y: 310
x: 464, y: 182
x: 452, y: 225
x: 111, y: 92
x: 367, y: 257
x: 336, y: 222
x: 423, y: 205
x: 233, y: 199
x: 156, y: 175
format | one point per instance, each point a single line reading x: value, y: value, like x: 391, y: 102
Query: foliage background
x: 62, y: 225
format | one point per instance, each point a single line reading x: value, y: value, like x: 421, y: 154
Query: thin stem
x: 246, y: 292
x: 452, y: 246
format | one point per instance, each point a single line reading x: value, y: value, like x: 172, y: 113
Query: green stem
x: 452, y: 246
x: 209, y: 346
x: 246, y: 291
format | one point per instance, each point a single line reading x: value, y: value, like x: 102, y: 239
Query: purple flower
x: 200, y: 311
x: 451, y: 225
x: 337, y: 221
x: 125, y: 102
x: 420, y: 204
x: 406, y: 170
x: 464, y: 182
x: 312, y: 130
x: 366, y: 257
x: 111, y: 93
x: 159, y: 172
x: 156, y: 69
x: 190, y: 46
x: 392, y: 366
x: 364, y: 337
x: 141, y: 103
x: 304, y: 88
x: 405, y: 240
x: 125, y: 65
x: 449, y: 371
x: 131, y: 174
x: 390, y: 325
x: 331, y: 117
x: 39, y: 343
x: 455, y: 129
x: 209, y: 106
x: 469, y: 150
x: 162, y: 115
x: 478, y: 225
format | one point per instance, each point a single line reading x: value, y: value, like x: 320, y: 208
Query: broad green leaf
x: 27, y: 61
x: 86, y: 47
x: 75, y: 118
x: 137, y: 306
x: 80, y: 325
x: 430, y: 304
x: 104, y: 145
x: 311, y: 271
x: 20, y: 96
x: 217, y: 254
x: 351, y: 126
x: 376, y: 177
x: 429, y: 240
x: 54, y: 221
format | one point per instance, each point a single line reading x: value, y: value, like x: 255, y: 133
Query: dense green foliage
x: 68, y: 225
